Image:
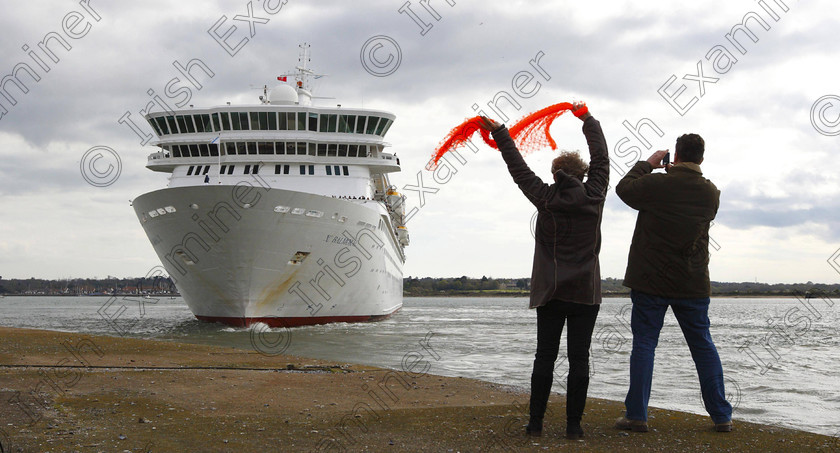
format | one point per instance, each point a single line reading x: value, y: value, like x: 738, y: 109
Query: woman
x: 566, y: 276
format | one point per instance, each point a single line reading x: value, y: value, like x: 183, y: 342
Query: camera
x: 667, y: 159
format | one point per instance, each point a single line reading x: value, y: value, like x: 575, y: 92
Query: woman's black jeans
x: 550, y: 320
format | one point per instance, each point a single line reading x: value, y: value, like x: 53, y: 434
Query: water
x: 789, y: 382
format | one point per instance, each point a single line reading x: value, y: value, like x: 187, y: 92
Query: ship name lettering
x: 341, y: 240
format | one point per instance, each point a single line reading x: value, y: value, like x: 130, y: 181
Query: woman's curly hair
x: 571, y: 164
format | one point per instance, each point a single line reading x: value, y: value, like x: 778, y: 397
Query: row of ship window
x: 270, y: 121
x: 270, y: 148
x: 282, y: 169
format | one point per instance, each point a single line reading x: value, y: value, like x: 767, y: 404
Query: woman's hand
x: 489, y: 125
x: 579, y: 105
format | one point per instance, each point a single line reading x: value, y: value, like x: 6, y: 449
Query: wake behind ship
x: 279, y: 212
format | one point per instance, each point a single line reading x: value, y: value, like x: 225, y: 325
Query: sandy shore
x: 63, y: 392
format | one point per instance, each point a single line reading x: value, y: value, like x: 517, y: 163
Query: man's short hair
x: 571, y: 164
x: 690, y: 148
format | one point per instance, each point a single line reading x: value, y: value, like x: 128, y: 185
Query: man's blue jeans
x: 693, y: 317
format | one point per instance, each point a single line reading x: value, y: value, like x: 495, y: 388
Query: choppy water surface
x: 780, y: 356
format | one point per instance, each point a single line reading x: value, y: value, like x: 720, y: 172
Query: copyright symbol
x: 836, y: 443
x: 821, y: 122
x: 534, y: 224
x: 381, y: 56
x: 553, y: 228
x: 732, y: 393
x: 270, y: 343
x: 101, y: 166
x: 5, y: 443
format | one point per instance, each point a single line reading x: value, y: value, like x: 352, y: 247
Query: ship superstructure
x: 279, y: 212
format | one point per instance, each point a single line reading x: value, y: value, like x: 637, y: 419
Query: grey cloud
x: 803, y: 203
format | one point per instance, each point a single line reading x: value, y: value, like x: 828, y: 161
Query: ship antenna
x: 302, y: 76
x: 303, y: 71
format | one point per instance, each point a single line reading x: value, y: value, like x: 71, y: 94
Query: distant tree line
x: 88, y: 286
x: 412, y: 286
x: 427, y: 286
x: 774, y: 289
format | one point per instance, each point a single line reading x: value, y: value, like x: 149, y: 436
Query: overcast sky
x: 763, y: 112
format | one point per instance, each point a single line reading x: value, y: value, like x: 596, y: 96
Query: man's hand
x: 579, y: 105
x: 655, y: 160
x: 488, y: 124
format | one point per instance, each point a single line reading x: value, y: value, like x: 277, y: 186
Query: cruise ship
x: 280, y: 212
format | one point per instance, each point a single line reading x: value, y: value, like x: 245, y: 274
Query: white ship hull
x: 236, y: 257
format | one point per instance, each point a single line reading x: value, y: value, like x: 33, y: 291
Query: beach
x: 100, y: 393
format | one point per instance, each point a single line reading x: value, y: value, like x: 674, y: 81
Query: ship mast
x: 302, y: 76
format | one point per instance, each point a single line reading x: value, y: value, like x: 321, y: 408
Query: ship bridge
x: 270, y: 133
x: 293, y: 143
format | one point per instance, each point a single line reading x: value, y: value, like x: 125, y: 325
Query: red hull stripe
x: 290, y: 322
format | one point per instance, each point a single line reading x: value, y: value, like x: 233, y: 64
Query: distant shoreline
x: 162, y: 287
x: 140, y: 296
x: 491, y: 293
x: 612, y: 296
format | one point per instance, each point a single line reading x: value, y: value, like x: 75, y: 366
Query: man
x: 566, y: 277
x: 668, y: 266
